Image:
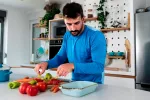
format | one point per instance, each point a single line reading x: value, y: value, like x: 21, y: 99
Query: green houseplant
x: 51, y: 10
x: 102, y: 15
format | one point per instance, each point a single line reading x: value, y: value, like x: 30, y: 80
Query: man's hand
x: 64, y: 69
x: 40, y: 68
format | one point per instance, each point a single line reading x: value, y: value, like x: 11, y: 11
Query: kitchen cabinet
x: 120, y: 82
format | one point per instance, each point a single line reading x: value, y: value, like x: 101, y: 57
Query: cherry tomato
x: 53, y: 82
x: 38, y: 79
x: 23, y: 87
x: 42, y: 86
x: 32, y: 90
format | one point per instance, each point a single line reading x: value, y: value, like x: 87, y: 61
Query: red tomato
x: 38, y: 80
x: 32, y: 90
x: 53, y: 82
x: 42, y: 86
x: 49, y: 83
x: 23, y: 87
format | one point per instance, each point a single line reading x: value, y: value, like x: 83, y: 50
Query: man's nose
x: 73, y: 27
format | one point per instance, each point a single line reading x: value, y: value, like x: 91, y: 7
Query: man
x: 83, y: 46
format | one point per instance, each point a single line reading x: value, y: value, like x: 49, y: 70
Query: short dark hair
x: 72, y: 10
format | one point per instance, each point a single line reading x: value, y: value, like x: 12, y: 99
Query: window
x: 1, y: 38
x: 2, y: 16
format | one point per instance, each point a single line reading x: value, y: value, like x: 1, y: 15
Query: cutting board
x: 128, y: 53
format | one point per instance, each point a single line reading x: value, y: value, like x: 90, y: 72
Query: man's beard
x: 76, y: 32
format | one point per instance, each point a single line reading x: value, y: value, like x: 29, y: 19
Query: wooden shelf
x: 116, y: 69
x: 120, y: 75
x: 47, y: 39
x: 86, y: 19
x: 115, y: 29
x: 39, y: 26
x: 91, y: 19
x: 61, y: 19
x: 41, y: 39
x: 116, y: 57
x: 55, y: 20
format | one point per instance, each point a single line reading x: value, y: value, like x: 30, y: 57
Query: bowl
x: 111, y: 53
x: 78, y: 88
x: 120, y: 53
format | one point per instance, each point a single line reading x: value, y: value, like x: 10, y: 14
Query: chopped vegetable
x: 33, y: 82
x: 55, y: 88
x: 24, y: 80
x: 13, y: 85
x: 48, y: 76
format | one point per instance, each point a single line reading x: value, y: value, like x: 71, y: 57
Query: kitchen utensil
x: 39, y: 52
x: 140, y: 10
x: 128, y: 53
x: 147, y: 9
x: 5, y: 73
x: 78, y: 88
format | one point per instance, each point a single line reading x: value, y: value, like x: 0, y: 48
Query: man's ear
x: 83, y: 19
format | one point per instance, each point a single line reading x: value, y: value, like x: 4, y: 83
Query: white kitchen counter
x: 103, y: 92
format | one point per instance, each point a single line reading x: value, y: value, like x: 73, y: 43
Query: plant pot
x: 5, y: 74
x: 46, y: 35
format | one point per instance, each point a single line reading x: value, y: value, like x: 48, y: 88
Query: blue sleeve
x: 60, y: 57
x: 98, y: 54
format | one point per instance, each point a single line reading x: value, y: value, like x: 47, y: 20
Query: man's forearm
x: 88, y: 68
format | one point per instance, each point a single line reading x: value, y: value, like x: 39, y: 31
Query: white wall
x: 16, y: 36
x: 139, y: 4
x: 147, y: 3
x: 34, y: 15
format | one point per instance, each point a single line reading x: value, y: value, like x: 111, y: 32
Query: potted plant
x: 51, y: 10
x: 102, y: 15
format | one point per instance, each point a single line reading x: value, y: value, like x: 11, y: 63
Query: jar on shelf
x: 90, y: 13
x: 95, y: 10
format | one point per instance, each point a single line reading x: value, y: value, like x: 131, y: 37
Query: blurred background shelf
x: 115, y: 29
x: 116, y: 69
x: 91, y: 19
x: 41, y: 39
x: 116, y: 57
x: 39, y: 26
x: 47, y: 39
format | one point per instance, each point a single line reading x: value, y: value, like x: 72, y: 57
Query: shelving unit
x: 61, y: 22
x: 86, y: 19
x: 116, y: 57
x: 40, y: 26
x: 118, y: 29
x: 40, y: 38
x: 47, y: 39
x: 115, y: 29
x: 91, y: 19
x: 115, y: 69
